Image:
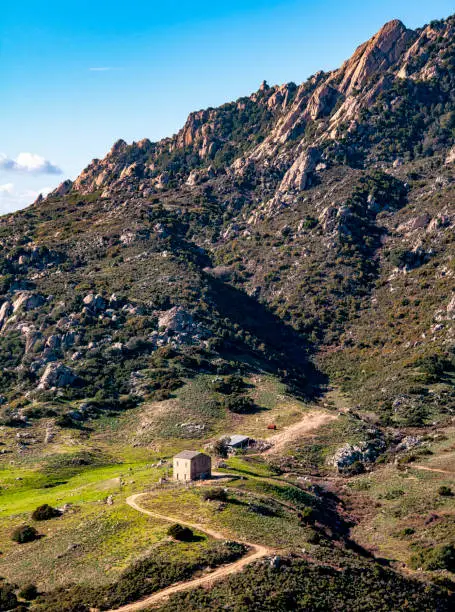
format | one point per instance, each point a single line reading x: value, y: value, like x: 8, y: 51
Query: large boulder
x: 176, y: 319
x: 57, y: 375
x: 5, y: 311
x: 365, y: 452
x: 95, y: 302
x: 62, y: 189
x: 27, y: 301
x: 450, y: 159
x: 177, y: 326
x: 297, y: 177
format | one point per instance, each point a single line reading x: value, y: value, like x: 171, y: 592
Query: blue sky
x: 76, y: 76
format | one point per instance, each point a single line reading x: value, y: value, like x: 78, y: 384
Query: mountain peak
x: 376, y: 55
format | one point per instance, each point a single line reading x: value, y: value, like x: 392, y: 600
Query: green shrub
x: 231, y: 384
x: 178, y: 532
x: 407, y: 531
x: 240, y: 404
x: 24, y: 533
x: 445, y: 491
x: 307, y: 515
x: 28, y: 592
x: 355, y: 468
x: 45, y: 512
x: 8, y: 599
x: 439, y: 558
x: 217, y: 494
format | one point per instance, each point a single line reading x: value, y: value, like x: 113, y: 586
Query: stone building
x: 192, y: 465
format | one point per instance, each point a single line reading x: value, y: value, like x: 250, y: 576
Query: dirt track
x: 257, y: 551
x: 428, y: 469
x: 311, y: 421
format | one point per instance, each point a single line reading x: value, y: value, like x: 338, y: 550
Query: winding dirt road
x: 257, y: 551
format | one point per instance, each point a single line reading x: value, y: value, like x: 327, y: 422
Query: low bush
x: 178, y: 532
x: 8, y: 599
x: 28, y: 592
x: 240, y: 404
x: 445, y: 491
x: 144, y: 577
x: 439, y: 558
x: 217, y: 494
x: 24, y: 533
x: 45, y: 512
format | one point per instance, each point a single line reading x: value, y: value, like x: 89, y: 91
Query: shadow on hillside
x: 288, y: 353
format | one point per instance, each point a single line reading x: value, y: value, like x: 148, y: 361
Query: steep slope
x: 263, y: 229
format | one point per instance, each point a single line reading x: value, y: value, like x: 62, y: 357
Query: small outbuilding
x: 238, y: 441
x: 192, y: 465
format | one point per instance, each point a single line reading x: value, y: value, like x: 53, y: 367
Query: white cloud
x: 13, y: 198
x: 101, y: 69
x: 7, y: 188
x: 30, y: 163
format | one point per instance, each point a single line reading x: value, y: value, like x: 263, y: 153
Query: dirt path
x: 311, y: 421
x: 428, y: 469
x: 257, y: 551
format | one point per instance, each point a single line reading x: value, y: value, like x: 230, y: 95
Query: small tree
x: 445, y: 491
x: 216, y: 494
x: 28, y: 592
x: 240, y: 404
x: 45, y: 512
x: 178, y: 532
x: 220, y: 448
x: 8, y: 599
x: 24, y: 533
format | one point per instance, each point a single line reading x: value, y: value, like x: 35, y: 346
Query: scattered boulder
x: 275, y: 562
x: 95, y: 302
x: 407, y: 443
x: 53, y: 342
x: 28, y: 301
x: 5, y: 311
x: 298, y: 175
x: 415, y: 223
x: 176, y: 319
x: 364, y: 452
x: 57, y: 375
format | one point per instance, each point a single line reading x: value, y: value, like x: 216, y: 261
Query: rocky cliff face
x: 292, y: 128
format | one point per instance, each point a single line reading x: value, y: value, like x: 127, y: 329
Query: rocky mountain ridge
x: 326, y: 102
x: 275, y: 225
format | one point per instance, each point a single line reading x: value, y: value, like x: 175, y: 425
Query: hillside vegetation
x: 287, y: 254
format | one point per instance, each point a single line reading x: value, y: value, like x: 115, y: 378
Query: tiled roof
x: 187, y: 454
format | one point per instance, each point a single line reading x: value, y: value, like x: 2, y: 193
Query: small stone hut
x: 192, y: 465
